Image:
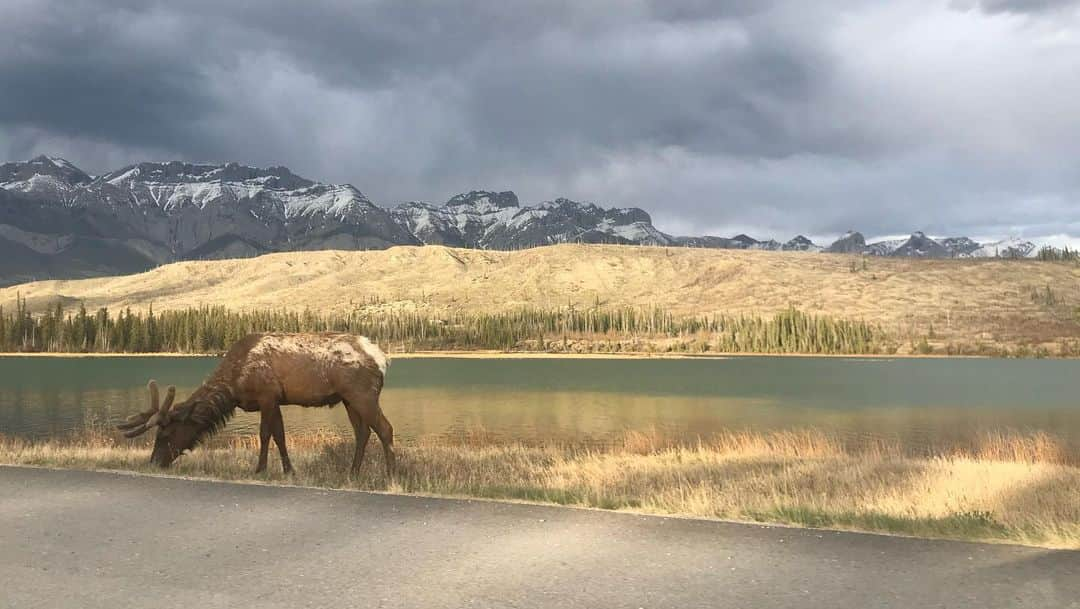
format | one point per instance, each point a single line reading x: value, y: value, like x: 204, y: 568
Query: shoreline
x: 626, y: 355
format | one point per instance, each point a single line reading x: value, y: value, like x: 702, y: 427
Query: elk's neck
x: 212, y: 405
x: 219, y: 394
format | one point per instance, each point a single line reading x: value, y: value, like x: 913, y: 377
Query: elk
x: 260, y: 372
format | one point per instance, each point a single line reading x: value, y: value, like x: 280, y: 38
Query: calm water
x: 929, y: 403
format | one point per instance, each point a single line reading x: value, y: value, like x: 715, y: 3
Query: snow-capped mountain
x: 57, y: 221
x: 710, y: 242
x: 801, y: 244
x: 43, y: 176
x: 1006, y: 248
x: 918, y: 245
x: 884, y: 248
x: 739, y: 242
x: 851, y: 242
x: 213, y: 211
x: 495, y: 220
x: 960, y: 246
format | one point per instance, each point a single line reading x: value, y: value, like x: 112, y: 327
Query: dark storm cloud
x: 1026, y: 6
x: 771, y: 116
x: 725, y: 94
x: 84, y: 71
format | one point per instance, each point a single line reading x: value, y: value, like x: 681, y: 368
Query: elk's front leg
x: 266, y: 423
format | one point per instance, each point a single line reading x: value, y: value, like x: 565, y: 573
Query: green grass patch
x: 963, y: 525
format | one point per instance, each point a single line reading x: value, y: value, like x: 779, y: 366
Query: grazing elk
x: 260, y: 373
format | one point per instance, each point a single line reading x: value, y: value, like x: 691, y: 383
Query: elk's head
x: 177, y: 430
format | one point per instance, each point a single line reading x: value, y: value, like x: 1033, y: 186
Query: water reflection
x: 923, y: 403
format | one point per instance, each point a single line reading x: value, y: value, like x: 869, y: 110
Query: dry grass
x: 1008, y: 487
x: 974, y: 304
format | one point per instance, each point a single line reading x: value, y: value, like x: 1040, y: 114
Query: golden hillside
x: 969, y: 301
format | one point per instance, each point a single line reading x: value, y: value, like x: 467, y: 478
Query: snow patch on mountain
x: 1013, y: 247
x: 885, y: 247
x: 637, y: 232
x: 38, y: 183
x: 63, y: 164
x: 337, y: 201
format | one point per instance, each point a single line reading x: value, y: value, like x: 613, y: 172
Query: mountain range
x: 57, y: 221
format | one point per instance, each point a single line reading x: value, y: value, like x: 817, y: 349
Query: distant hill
x: 57, y: 221
x: 965, y: 302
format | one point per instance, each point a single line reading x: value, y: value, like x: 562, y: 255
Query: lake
x: 929, y: 403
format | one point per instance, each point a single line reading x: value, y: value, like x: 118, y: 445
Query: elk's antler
x: 140, y: 418
x: 137, y: 424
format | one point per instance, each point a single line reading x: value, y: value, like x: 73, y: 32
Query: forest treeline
x: 1054, y: 254
x: 213, y: 329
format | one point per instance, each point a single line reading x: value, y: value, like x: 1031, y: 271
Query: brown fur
x: 261, y: 372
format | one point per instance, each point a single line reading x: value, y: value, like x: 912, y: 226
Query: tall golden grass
x: 1005, y: 487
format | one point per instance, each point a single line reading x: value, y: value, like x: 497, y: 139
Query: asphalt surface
x: 82, y: 539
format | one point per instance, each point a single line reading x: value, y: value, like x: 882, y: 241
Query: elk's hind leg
x: 278, y: 431
x: 366, y: 405
x: 362, y: 432
x: 385, y: 431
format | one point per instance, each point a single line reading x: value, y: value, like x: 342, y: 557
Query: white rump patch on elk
x: 375, y: 353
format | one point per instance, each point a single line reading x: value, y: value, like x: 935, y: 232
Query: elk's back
x: 310, y: 369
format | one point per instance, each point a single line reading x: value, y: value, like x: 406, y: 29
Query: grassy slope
x: 965, y: 301
x: 1018, y: 489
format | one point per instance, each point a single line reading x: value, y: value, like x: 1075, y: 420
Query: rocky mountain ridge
x: 57, y: 221
x: 919, y: 245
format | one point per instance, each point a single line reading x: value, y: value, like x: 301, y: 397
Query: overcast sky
x: 758, y: 116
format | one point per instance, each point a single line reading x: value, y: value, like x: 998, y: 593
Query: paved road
x: 80, y: 539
